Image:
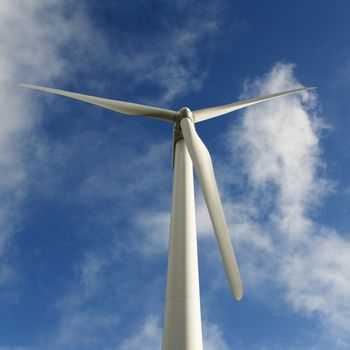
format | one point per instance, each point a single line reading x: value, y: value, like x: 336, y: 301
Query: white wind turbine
x: 182, y: 319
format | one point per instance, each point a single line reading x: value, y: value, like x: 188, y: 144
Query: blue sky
x: 85, y: 192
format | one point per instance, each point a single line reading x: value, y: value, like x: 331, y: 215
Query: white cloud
x: 280, y: 143
x: 317, y: 278
x: 279, y: 149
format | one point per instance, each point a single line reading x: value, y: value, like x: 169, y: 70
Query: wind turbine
x: 182, y: 319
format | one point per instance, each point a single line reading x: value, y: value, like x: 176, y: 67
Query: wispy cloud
x: 171, y: 60
x: 213, y: 338
x: 150, y: 335
x: 154, y: 227
x: 148, y: 338
x: 84, y: 329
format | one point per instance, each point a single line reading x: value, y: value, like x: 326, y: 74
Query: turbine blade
x: 212, y: 112
x: 114, y: 105
x: 204, y: 169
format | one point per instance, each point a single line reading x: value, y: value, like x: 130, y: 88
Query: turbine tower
x: 182, y: 319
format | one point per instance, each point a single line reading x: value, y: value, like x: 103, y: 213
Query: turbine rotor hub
x: 184, y: 112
